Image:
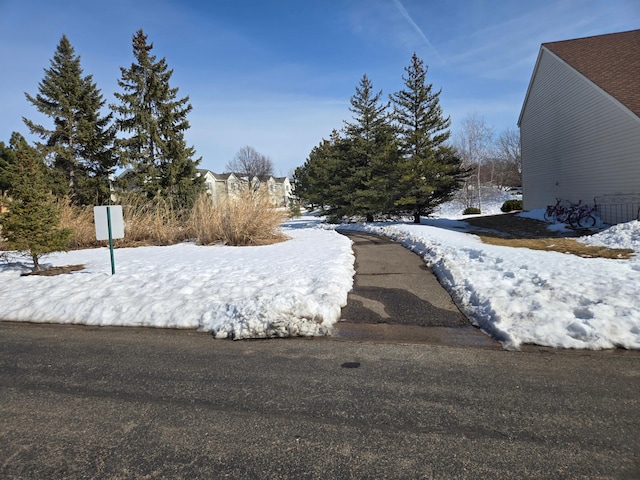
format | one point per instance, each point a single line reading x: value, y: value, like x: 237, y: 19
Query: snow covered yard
x: 291, y: 288
x: 297, y: 287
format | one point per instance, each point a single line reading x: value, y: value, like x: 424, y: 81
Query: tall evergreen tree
x: 429, y: 172
x: 354, y: 173
x: 310, y: 181
x: 321, y: 180
x: 32, y: 223
x: 7, y: 158
x: 372, y: 154
x: 161, y: 162
x: 80, y: 143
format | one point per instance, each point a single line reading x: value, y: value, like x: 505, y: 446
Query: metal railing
x: 614, y: 209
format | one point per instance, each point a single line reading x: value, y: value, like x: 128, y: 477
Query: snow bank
x: 522, y: 296
x: 288, y: 289
x: 624, y: 235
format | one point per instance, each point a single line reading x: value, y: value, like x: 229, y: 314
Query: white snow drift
x: 288, y: 289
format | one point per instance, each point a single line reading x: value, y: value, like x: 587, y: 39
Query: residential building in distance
x: 221, y: 186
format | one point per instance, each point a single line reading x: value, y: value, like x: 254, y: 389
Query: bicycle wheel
x: 587, y: 222
x: 574, y: 219
x: 548, y: 215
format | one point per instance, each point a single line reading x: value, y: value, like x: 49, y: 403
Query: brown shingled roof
x: 610, y: 61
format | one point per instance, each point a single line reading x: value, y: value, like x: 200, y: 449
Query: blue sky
x: 277, y: 75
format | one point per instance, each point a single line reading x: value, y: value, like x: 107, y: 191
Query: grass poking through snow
x: 562, y: 245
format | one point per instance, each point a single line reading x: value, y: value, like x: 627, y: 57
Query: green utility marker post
x: 109, y: 216
x: 113, y: 263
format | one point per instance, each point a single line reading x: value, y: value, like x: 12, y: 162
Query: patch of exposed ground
x: 509, y: 225
x: 510, y: 230
x: 49, y: 272
x: 562, y: 245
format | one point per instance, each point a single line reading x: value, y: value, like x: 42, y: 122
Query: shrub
x: 294, y: 209
x: 511, y: 205
x: 80, y: 221
x: 249, y: 219
x: 471, y: 211
x: 334, y: 219
x: 151, y: 222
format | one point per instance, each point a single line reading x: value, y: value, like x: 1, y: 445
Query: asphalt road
x: 82, y: 402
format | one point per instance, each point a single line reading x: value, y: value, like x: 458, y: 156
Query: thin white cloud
x: 506, y: 45
x: 403, y: 11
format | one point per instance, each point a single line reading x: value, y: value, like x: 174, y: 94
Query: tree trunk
x: 369, y: 217
x: 36, y: 264
x: 416, y: 217
x: 479, y: 185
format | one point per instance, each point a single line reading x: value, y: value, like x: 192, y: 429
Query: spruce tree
x: 149, y: 111
x: 372, y: 155
x: 80, y: 142
x: 429, y: 171
x: 311, y: 180
x: 7, y: 158
x: 31, y: 225
x: 321, y: 180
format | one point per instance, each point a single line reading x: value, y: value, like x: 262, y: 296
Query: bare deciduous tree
x: 473, y: 144
x: 509, y: 156
x: 250, y: 163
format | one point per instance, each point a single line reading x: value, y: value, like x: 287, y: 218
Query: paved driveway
x: 395, y: 296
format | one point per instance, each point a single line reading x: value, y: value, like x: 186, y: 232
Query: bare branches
x: 250, y: 163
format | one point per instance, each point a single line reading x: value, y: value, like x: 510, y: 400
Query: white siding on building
x: 227, y: 185
x: 578, y: 142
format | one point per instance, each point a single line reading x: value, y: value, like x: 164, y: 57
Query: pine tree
x: 354, y: 173
x: 372, y: 154
x: 162, y: 164
x: 80, y: 143
x: 31, y: 225
x: 320, y: 181
x: 429, y: 171
x: 310, y: 180
x: 7, y: 158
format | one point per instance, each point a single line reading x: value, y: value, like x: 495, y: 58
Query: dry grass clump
x: 249, y: 219
x: 562, y: 245
x: 146, y: 222
x: 151, y: 222
x: 80, y: 220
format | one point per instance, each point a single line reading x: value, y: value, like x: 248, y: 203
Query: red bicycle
x: 560, y: 213
x: 583, y: 217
